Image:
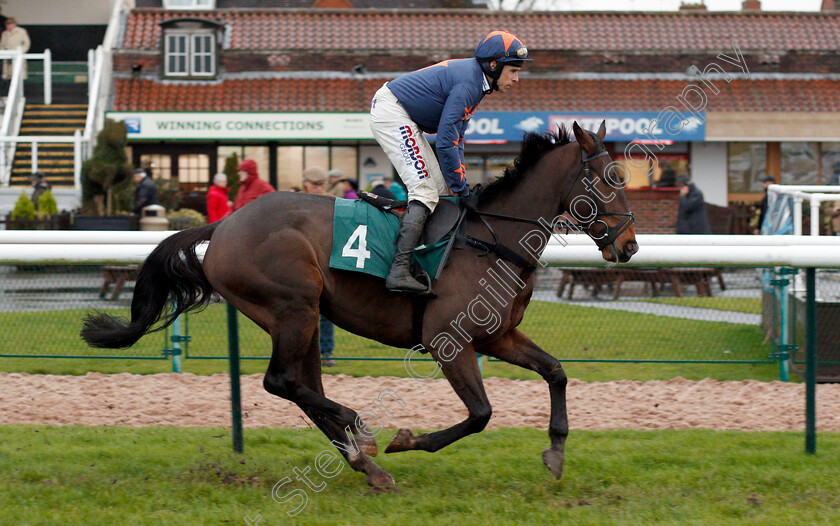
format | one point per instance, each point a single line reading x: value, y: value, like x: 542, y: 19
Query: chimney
x: 828, y: 5
x: 751, y: 5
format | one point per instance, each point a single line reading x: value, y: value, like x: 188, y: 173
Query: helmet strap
x: 493, y: 74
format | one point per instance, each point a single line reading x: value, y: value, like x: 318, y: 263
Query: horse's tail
x: 172, y: 269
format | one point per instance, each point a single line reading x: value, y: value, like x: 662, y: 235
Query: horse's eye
x: 615, y: 178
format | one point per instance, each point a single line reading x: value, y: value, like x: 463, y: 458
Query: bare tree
x: 528, y: 5
x: 511, y: 5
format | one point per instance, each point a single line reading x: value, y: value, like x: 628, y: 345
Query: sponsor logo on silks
x: 411, y: 152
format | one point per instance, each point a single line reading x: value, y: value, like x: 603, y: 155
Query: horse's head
x: 596, y: 200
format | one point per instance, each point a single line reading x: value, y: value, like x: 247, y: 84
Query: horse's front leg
x: 465, y: 378
x: 518, y: 349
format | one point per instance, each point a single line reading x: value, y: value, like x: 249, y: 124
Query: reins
x: 508, y: 254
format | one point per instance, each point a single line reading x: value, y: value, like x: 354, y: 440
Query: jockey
x: 438, y: 99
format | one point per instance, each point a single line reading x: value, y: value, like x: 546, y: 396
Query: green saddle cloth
x: 364, y: 236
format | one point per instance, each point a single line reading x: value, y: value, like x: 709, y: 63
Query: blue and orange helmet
x: 502, y: 47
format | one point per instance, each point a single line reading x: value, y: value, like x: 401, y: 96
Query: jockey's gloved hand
x: 469, y: 200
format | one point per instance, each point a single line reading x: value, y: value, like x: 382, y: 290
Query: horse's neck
x: 536, y: 197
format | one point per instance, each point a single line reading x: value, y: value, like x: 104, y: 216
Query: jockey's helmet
x: 502, y: 47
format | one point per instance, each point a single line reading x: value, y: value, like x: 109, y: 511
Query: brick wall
x: 655, y: 210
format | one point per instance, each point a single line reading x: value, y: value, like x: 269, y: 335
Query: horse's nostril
x: 631, y: 247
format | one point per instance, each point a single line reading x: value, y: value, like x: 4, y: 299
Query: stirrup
x: 422, y: 278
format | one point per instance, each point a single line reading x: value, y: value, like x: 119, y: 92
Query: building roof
x: 535, y: 94
x: 453, y: 30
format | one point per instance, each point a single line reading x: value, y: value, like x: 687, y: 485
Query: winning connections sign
x: 182, y: 125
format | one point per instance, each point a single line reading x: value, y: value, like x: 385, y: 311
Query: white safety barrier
x: 91, y: 247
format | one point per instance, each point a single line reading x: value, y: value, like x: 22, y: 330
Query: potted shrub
x: 104, y: 175
x: 23, y: 214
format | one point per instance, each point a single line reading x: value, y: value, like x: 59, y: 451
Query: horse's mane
x: 534, y: 147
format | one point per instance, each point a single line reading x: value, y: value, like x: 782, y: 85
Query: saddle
x: 445, y: 221
x: 439, y: 223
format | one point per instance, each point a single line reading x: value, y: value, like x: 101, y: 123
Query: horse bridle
x: 602, y: 242
x: 612, y: 232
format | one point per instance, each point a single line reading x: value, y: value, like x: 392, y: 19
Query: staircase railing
x: 10, y: 125
x: 100, y: 64
x: 99, y: 83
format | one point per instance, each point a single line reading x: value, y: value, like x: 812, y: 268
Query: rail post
x: 47, y: 77
x: 177, y: 338
x: 810, y: 361
x: 235, y: 395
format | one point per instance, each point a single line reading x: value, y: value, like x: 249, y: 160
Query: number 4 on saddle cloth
x: 364, y: 236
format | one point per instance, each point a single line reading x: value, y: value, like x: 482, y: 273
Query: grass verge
x: 169, y: 476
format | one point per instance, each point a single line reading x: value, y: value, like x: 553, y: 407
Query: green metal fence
x: 784, y: 320
x: 574, y: 315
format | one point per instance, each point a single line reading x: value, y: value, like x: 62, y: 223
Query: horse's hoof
x: 381, y: 479
x: 553, y: 460
x: 404, y: 441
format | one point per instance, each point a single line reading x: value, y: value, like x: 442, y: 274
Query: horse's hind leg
x: 465, y: 378
x: 518, y: 349
x: 294, y: 373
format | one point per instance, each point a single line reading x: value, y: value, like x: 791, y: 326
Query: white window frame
x: 199, y: 5
x: 190, y: 54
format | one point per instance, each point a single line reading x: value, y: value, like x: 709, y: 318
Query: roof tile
x: 568, y: 95
x: 460, y: 30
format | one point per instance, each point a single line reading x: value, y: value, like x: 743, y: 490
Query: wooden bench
x: 651, y: 277
x: 701, y: 278
x: 117, y: 275
x: 595, y: 277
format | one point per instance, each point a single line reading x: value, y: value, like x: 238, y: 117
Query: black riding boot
x: 399, y: 278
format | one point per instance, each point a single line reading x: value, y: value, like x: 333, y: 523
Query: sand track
x: 188, y: 400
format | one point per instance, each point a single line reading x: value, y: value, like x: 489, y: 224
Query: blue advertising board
x: 621, y: 126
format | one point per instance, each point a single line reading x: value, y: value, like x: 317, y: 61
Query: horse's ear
x: 584, y: 139
x: 602, y: 130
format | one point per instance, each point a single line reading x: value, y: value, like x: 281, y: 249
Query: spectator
x: 377, y: 186
x: 12, y: 38
x: 395, y: 188
x: 252, y: 186
x: 39, y: 187
x: 336, y: 185
x: 218, y: 205
x: 668, y: 178
x: 315, y: 182
x: 145, y: 193
x: 766, y: 180
x: 2, y: 21
x: 691, y: 216
x: 350, y: 187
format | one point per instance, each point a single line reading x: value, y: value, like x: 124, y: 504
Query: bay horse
x: 271, y: 261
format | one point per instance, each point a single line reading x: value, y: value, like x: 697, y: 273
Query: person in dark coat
x: 377, y: 186
x: 691, y: 216
x: 766, y: 180
x: 39, y: 187
x: 146, y: 192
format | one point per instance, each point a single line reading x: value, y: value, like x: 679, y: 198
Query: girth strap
x: 418, y: 311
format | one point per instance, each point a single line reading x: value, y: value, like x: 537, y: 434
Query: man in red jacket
x: 252, y: 186
x: 218, y: 206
